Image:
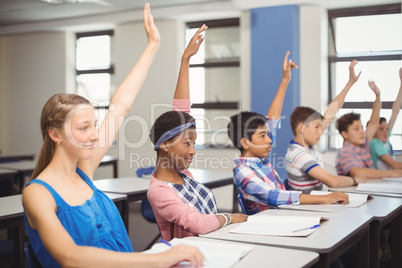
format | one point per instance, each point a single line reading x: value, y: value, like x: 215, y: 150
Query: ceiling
x: 18, y: 16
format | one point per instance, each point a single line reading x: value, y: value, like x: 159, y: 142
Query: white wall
x: 33, y: 67
x: 314, y: 67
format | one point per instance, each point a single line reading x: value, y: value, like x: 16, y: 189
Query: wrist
x: 354, y: 181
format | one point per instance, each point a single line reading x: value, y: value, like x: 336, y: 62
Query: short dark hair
x: 244, y: 125
x: 305, y: 115
x: 346, y: 120
x: 168, y: 121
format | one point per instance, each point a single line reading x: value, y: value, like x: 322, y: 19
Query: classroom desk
x: 12, y: 217
x: 24, y: 169
x: 7, y: 178
x: 5, y: 158
x: 136, y: 188
x: 332, y: 239
x: 352, y: 189
x: 110, y: 160
x: 271, y: 256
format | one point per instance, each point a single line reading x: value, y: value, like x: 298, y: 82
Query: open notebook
x: 355, y: 201
x: 385, y: 187
x: 278, y: 225
x: 216, y: 254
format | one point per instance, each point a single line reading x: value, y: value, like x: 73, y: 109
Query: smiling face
x: 80, y: 135
x: 355, y: 133
x: 180, y: 150
x: 311, y: 133
x: 382, y: 132
x: 259, y: 145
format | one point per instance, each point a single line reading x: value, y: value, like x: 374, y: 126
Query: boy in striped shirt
x: 354, y: 157
x: 303, y: 163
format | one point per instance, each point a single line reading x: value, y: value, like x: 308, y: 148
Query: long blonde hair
x: 53, y: 116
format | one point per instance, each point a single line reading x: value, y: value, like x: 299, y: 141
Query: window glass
x: 93, y: 52
x: 95, y: 87
x: 374, y: 33
x: 384, y: 73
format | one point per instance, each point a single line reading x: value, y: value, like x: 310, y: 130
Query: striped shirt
x: 260, y: 185
x: 299, y: 161
x: 350, y: 156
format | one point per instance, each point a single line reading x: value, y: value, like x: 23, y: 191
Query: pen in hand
x: 307, y: 228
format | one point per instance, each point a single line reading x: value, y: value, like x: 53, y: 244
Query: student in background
x: 380, y: 148
x: 303, y: 163
x: 182, y: 206
x: 254, y: 176
x: 69, y: 221
x: 354, y: 157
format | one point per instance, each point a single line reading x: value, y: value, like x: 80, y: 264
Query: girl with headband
x: 182, y: 206
x: 69, y: 221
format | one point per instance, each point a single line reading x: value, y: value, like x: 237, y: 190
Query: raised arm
x: 183, y: 87
x: 275, y: 109
x: 338, y: 101
x: 396, y: 106
x: 375, y: 114
x: 123, y: 99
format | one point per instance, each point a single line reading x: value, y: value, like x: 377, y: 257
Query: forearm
x: 311, y: 199
x: 341, y: 181
x: 336, y: 104
x: 369, y: 173
x: 275, y: 109
x: 396, y: 107
x: 128, y: 90
x: 84, y: 256
x: 183, y: 84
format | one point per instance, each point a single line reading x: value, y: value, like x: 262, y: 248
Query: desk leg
x: 374, y: 243
x: 235, y: 205
x: 396, y: 241
x: 363, y: 251
x: 115, y: 174
x: 18, y: 235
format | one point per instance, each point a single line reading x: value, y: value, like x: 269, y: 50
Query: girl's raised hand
x: 195, y: 43
x: 374, y: 87
x: 152, y: 32
x: 352, y: 75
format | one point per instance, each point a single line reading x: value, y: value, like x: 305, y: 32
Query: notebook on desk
x: 387, y: 187
x: 355, y: 201
x: 399, y: 179
x: 216, y: 254
x: 278, y: 225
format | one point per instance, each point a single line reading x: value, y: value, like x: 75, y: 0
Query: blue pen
x: 165, y: 242
x: 307, y: 228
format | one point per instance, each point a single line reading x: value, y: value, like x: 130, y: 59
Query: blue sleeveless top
x: 95, y: 223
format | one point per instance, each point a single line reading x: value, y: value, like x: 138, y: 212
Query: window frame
x: 109, y: 70
x: 218, y: 105
x: 333, y: 57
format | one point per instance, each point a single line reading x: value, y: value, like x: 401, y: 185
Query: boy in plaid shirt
x: 254, y: 176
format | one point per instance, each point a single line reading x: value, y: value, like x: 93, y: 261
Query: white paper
x: 355, y: 200
x: 277, y: 225
x: 399, y: 179
x: 215, y: 254
x: 385, y: 187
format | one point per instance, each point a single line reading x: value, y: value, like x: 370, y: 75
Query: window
x: 215, y: 80
x: 94, y: 69
x: 372, y: 35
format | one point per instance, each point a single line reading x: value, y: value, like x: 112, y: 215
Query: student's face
x: 260, y: 144
x: 180, y: 149
x: 80, y: 135
x: 312, y: 132
x: 382, y: 132
x: 355, y: 133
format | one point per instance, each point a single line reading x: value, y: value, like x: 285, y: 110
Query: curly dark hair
x: 168, y: 121
x: 345, y: 121
x: 244, y: 125
x: 305, y: 115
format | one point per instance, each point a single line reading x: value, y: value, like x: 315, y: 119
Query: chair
x: 241, y: 203
x: 6, y: 249
x: 146, y: 208
x: 30, y: 258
